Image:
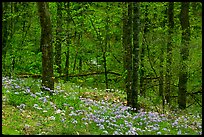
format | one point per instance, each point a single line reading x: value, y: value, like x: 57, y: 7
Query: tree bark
x: 128, y: 55
x: 106, y: 44
x: 184, y: 52
x: 58, y: 37
x: 142, y: 55
x: 46, y: 43
x: 66, y: 69
x: 169, y: 50
x: 136, y: 31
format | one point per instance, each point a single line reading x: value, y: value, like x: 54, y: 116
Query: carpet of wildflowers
x: 28, y: 110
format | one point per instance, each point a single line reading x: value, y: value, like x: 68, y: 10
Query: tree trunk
x: 184, y: 52
x: 66, y: 4
x: 5, y: 33
x: 105, y: 48
x: 129, y: 56
x: 58, y: 37
x: 136, y: 30
x: 46, y: 43
x: 169, y: 50
x: 142, y: 69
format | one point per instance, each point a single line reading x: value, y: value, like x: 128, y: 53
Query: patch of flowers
x: 107, y: 117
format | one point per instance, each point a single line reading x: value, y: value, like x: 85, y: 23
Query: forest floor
x: 72, y: 110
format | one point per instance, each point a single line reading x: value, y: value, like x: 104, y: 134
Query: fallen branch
x: 70, y: 75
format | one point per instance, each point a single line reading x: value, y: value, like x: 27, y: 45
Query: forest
x: 102, y: 68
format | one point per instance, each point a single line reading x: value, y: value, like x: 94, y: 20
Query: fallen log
x: 70, y: 75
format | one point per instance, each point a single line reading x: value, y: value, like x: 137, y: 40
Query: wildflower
x: 105, y: 132
x: 17, y: 86
x: 58, y: 111
x: 63, y: 119
x: 175, y: 123
x: 158, y: 133
x: 115, y: 133
x: 35, y: 105
x: 38, y: 93
x: 51, y: 103
x: 155, y: 128
x: 179, y: 132
x: 44, y: 111
x: 164, y: 129
x: 102, y: 127
x: 33, y: 95
x: 46, y: 88
x: 16, y: 93
x: 74, y: 121
x: 58, y: 87
x: 38, y: 108
x: 52, y: 118
x: 22, y: 106
x: 44, y: 100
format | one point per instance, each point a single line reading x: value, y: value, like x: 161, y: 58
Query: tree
x: 135, y: 54
x: 169, y: 50
x: 66, y: 69
x: 142, y: 55
x: 46, y: 43
x: 184, y: 52
x: 106, y: 44
x: 58, y: 37
x: 127, y: 44
x: 5, y: 31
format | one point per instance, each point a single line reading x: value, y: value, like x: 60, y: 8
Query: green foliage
x: 23, y: 56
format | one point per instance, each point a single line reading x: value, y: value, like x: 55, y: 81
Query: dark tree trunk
x: 5, y: 33
x: 105, y: 48
x: 46, y: 43
x: 76, y: 50
x: 80, y: 56
x: 80, y: 64
x: 136, y: 31
x: 169, y: 50
x: 184, y: 52
x: 66, y: 4
x: 124, y: 37
x: 142, y: 69
x: 58, y: 37
x: 12, y: 24
x: 129, y: 55
x: 162, y: 50
x: 5, y: 27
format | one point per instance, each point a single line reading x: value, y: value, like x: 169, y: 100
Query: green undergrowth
x: 73, y: 110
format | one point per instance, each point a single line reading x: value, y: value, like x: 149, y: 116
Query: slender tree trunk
x: 129, y: 55
x: 76, y: 54
x: 46, y: 43
x: 80, y: 56
x: 66, y: 4
x: 136, y: 31
x: 105, y: 48
x: 169, y: 50
x: 142, y: 69
x: 184, y: 52
x: 58, y: 37
x: 162, y: 50
x: 11, y: 35
x: 5, y: 29
x: 124, y: 38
